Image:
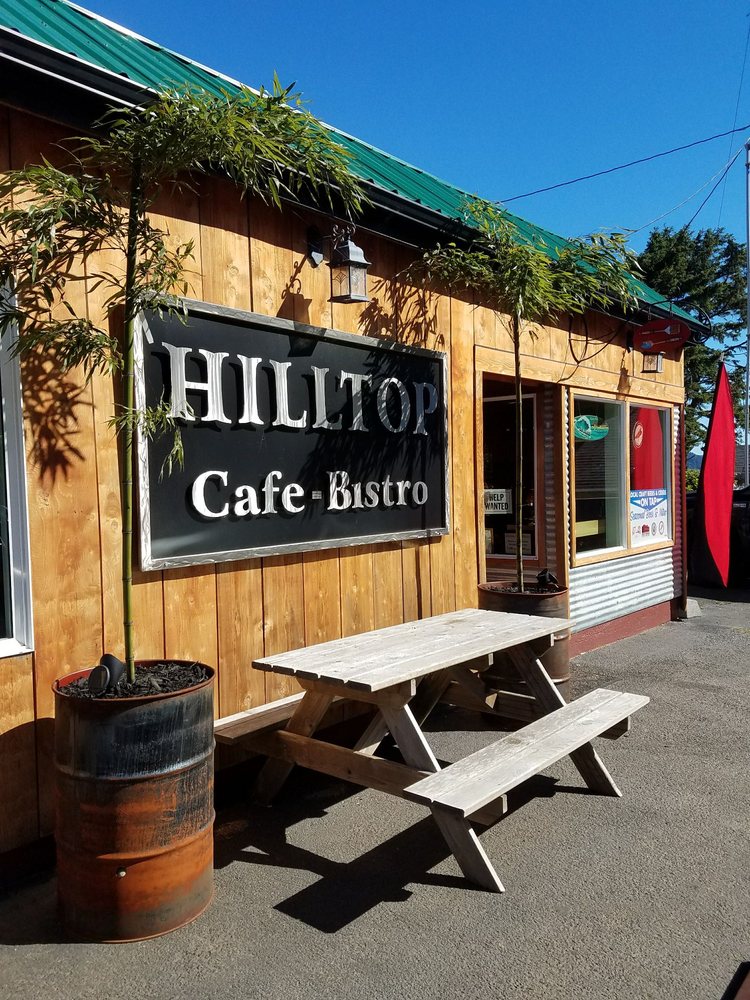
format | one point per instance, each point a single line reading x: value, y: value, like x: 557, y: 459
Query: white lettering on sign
x: 410, y: 402
x: 211, y: 498
x: 245, y: 500
x: 404, y: 404
x: 424, y: 406
x: 343, y: 494
x: 212, y: 385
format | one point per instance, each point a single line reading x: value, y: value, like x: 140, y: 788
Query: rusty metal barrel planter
x: 134, y: 811
x: 547, y: 604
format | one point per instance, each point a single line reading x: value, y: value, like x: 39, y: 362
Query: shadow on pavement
x: 345, y: 891
x: 732, y: 595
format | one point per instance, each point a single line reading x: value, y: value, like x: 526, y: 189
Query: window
x: 15, y: 584
x: 650, y: 452
x: 599, y: 474
x: 6, y: 619
x: 499, y: 433
x: 622, y: 474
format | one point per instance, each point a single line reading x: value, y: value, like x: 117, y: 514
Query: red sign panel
x: 661, y: 335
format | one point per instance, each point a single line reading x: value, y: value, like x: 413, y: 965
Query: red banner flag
x: 709, y: 557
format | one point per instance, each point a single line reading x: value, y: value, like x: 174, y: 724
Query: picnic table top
x: 381, y: 659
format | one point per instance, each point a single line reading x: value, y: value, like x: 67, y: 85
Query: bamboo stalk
x: 519, y: 448
x: 128, y: 430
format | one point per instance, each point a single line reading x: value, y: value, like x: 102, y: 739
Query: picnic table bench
x: 404, y: 671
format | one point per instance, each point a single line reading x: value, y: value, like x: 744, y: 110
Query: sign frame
x: 195, y: 307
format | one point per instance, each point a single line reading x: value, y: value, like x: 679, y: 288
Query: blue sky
x: 507, y: 97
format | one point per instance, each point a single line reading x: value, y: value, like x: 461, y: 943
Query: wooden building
x: 60, y: 569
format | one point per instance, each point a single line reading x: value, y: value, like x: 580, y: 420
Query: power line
x: 734, y: 122
x: 720, y: 173
x: 623, y: 166
x: 705, y: 200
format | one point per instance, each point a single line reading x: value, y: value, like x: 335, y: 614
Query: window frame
x: 502, y: 558
x: 627, y: 549
x: 12, y: 453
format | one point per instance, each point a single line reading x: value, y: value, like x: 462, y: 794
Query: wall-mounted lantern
x: 653, y: 362
x: 348, y: 264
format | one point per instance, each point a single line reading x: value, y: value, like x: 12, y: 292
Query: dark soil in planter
x: 535, y: 588
x: 161, y: 678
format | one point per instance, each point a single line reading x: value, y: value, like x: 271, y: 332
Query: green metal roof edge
x: 106, y: 46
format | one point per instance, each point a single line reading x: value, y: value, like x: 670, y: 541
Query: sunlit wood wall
x: 250, y: 257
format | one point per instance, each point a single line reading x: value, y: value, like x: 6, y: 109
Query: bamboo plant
x: 59, y: 224
x: 530, y: 282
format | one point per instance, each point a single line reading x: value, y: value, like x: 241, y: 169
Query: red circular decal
x: 637, y: 434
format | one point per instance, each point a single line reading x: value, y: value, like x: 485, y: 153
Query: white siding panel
x: 678, y: 526
x: 606, y: 590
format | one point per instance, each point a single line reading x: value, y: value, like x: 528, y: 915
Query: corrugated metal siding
x: 98, y: 42
x: 607, y: 590
x: 678, y: 526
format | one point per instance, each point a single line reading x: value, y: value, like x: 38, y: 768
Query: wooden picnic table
x: 404, y: 671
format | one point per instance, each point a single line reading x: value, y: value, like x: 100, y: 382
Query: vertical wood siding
x: 248, y: 256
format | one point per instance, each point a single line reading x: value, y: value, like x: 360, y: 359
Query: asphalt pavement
x: 337, y: 892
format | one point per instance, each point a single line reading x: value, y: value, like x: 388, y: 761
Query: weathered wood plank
x: 190, y: 611
x: 63, y: 502
x: 378, y: 659
x: 462, y: 454
x: 239, y: 602
x: 225, y: 266
x: 283, y: 615
x: 586, y: 760
x: 148, y: 591
x: 253, y: 720
x: 404, y: 637
x: 388, y: 585
x: 271, y: 261
x: 478, y: 779
x: 19, y: 815
x: 307, y: 716
x: 322, y: 589
x: 339, y: 762
x: 357, y: 597
x: 394, y: 697
x: 225, y: 249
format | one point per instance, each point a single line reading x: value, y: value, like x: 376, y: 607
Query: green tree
x: 57, y: 221
x: 530, y: 282
x: 704, y: 273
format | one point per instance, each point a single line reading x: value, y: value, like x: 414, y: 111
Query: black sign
x: 294, y: 438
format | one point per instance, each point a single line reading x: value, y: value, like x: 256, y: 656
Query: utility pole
x: 747, y: 353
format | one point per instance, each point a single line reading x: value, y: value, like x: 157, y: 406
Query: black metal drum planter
x: 549, y: 603
x: 134, y: 810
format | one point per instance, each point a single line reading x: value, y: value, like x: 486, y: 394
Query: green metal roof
x: 73, y: 31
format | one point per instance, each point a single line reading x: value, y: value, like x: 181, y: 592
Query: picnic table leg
x: 429, y: 693
x: 587, y: 761
x: 409, y: 737
x: 456, y: 830
x: 306, y: 718
x: 466, y: 848
x: 373, y: 736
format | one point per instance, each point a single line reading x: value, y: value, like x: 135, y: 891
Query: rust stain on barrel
x: 134, y: 812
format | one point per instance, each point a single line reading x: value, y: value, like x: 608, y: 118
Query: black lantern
x: 348, y: 273
x: 348, y: 264
x: 653, y: 362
